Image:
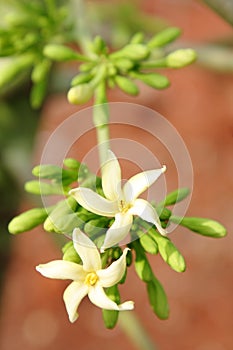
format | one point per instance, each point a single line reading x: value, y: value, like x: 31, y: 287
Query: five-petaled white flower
x: 89, y: 278
x: 120, y: 202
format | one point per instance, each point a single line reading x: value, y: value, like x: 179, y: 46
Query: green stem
x: 131, y: 326
x: 224, y: 8
x: 101, y: 120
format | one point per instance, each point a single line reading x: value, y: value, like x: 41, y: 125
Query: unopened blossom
x: 89, y: 278
x: 120, y: 202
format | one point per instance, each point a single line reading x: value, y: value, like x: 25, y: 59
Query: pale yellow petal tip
x: 39, y: 268
x: 73, y: 318
x: 126, y: 306
x: 164, y: 168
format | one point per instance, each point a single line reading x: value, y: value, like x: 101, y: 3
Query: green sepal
x: 176, y: 196
x: 43, y: 188
x: 158, y: 299
x: 110, y: 317
x: 164, y: 37
x: 80, y: 94
x: 63, y: 218
x: 148, y: 244
x: 28, y: 220
x: 62, y: 53
x: 180, y: 58
x: 203, y: 226
x: 126, y: 85
x: 155, y: 80
x: 168, y: 251
x: 70, y: 254
x: 135, y: 52
x: 141, y: 264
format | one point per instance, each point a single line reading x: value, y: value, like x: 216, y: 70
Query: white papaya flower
x: 120, y: 202
x: 89, y: 278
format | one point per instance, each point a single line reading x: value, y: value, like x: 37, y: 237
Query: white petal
x: 145, y: 210
x: 118, y: 231
x: 113, y: 274
x: 93, y: 202
x: 111, y: 177
x: 72, y: 297
x: 62, y: 269
x: 87, y: 251
x: 140, y: 182
x: 98, y: 297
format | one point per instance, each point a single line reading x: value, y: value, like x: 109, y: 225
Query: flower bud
x: 40, y: 71
x: 71, y: 163
x: 135, y: 52
x: 43, y: 188
x: 27, y: 220
x: 155, y: 80
x: 110, y: 317
x: 203, y: 226
x: 61, y: 53
x: 81, y: 78
x: 181, y: 58
x: 38, y: 93
x: 126, y: 85
x: 137, y: 38
x: 141, y: 264
x: 124, y: 64
x: 158, y: 299
x: 176, y: 196
x: 70, y: 254
x: 11, y: 67
x: 80, y: 94
x: 148, y: 244
x: 169, y: 252
x: 164, y: 37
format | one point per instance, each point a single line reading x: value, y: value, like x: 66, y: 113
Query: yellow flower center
x: 124, y: 207
x: 91, y: 279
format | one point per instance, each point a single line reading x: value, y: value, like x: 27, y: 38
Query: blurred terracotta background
x: 199, y: 104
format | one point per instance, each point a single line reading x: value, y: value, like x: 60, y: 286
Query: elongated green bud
x: 124, y: 64
x: 137, y: 38
x: 149, y: 244
x: 169, y: 252
x: 155, y: 80
x: 70, y: 254
x: 203, y: 226
x: 43, y: 188
x: 135, y: 52
x: 176, y: 196
x: 126, y: 85
x: 99, y: 45
x: 110, y: 317
x: 80, y: 94
x: 71, y: 163
x: 10, y: 68
x: 61, y: 53
x: 81, y: 78
x: 27, y: 220
x: 54, y: 172
x: 38, y: 93
x: 181, y: 58
x: 141, y: 264
x: 158, y: 299
x: 164, y: 37
x: 40, y: 71
x: 94, y: 227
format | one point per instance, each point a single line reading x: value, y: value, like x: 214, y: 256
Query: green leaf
x: 203, y: 226
x: 110, y: 317
x: 168, y: 251
x: 158, y: 299
x: 126, y: 85
x: 28, y: 220
x: 164, y: 37
x: 149, y: 244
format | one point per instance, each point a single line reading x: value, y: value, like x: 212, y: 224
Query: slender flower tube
x: 120, y: 202
x: 88, y: 279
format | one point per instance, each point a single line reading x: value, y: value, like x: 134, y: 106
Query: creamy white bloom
x: 88, y: 279
x: 121, y: 202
